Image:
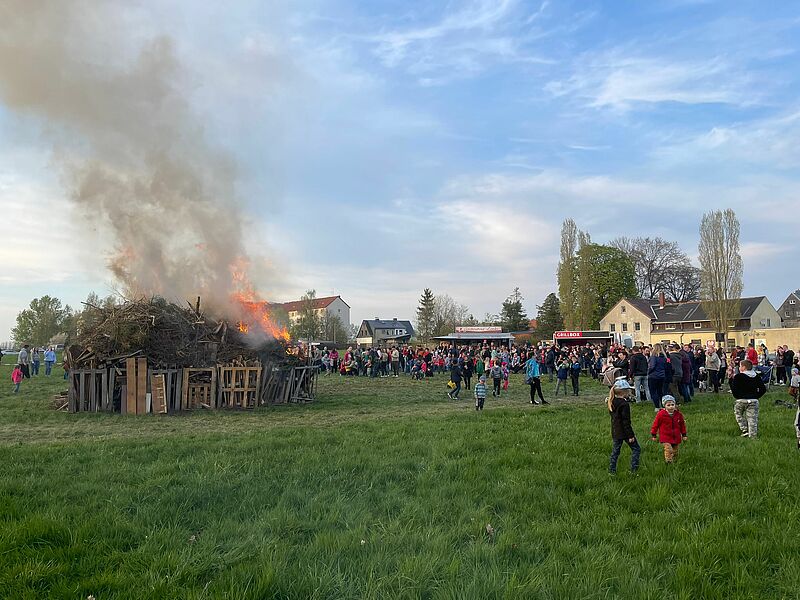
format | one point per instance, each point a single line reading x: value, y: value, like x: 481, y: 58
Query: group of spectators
x: 679, y: 370
x: 29, y: 361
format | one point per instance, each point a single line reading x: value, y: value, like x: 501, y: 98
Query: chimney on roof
x: 662, y: 300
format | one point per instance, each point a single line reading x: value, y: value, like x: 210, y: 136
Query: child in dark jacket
x: 561, y: 374
x: 496, y: 373
x: 747, y: 388
x: 621, y: 428
x: 670, y: 426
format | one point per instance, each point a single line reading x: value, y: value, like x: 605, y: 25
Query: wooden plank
x: 91, y: 382
x: 71, y: 396
x: 178, y: 390
x: 212, y: 392
x: 81, y: 393
x: 130, y: 373
x: 185, y: 397
x: 257, y: 394
x: 158, y: 394
x: 104, y: 390
x: 141, y: 386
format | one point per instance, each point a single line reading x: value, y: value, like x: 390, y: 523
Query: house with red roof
x: 332, y: 305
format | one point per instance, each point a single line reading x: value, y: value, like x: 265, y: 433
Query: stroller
x: 765, y: 371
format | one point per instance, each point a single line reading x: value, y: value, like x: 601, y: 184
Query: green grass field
x: 383, y: 489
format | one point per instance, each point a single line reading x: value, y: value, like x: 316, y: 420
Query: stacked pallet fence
x: 139, y: 390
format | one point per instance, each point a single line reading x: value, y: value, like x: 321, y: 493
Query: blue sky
x: 387, y: 147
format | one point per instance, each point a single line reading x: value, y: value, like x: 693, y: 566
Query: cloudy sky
x: 386, y: 147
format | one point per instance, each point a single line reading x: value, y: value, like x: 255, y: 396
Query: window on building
x: 637, y: 326
x: 624, y: 327
x: 613, y: 327
x: 698, y: 325
x: 790, y: 302
x: 622, y: 309
x: 769, y: 322
x: 670, y: 326
x: 788, y: 314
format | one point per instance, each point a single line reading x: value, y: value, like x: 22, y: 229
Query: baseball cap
x: 622, y: 384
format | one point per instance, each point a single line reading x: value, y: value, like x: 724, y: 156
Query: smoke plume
x: 133, y: 154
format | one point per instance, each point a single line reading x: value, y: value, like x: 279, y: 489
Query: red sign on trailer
x: 575, y: 338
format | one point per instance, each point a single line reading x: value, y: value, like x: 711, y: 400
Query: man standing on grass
x: 638, y: 367
x: 747, y: 388
x: 23, y: 360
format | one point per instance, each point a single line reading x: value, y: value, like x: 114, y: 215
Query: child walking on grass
x: 496, y: 373
x: 561, y: 374
x: 621, y: 428
x: 480, y: 392
x: 505, y: 377
x: 670, y: 426
x: 16, y: 378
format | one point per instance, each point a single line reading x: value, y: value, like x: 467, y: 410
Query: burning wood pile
x: 169, y: 336
x: 154, y: 356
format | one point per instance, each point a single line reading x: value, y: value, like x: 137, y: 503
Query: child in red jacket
x: 16, y: 378
x: 671, y: 428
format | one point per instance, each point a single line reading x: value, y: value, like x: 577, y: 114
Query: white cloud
x: 619, y: 81
x: 772, y: 141
x: 462, y: 43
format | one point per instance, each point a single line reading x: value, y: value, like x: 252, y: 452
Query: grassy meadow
x: 384, y: 489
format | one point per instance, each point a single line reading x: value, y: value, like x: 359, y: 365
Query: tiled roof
x: 682, y: 312
x: 298, y: 305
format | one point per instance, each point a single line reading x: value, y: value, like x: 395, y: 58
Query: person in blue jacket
x: 49, y: 360
x: 656, y: 374
x: 532, y: 378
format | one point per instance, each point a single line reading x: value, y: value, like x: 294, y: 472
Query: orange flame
x: 256, y: 310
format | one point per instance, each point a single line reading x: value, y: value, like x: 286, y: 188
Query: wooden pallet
x: 89, y: 391
x: 199, y: 388
x: 239, y: 387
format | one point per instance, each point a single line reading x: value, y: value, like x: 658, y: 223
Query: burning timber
x: 153, y: 356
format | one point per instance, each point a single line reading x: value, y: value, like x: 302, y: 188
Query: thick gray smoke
x: 133, y: 154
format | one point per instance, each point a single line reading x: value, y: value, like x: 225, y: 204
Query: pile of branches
x: 167, y: 334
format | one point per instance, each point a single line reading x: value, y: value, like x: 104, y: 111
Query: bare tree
x: 682, y: 283
x: 721, y: 267
x: 448, y: 314
x: 567, y: 272
x: 659, y: 265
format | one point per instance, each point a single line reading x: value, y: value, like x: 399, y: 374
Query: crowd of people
x: 29, y: 362
x: 653, y: 373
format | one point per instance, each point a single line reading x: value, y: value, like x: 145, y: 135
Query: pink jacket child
x: 16, y: 377
x: 505, y: 376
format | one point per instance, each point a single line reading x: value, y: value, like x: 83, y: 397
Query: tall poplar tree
x: 721, y: 267
x: 567, y: 272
